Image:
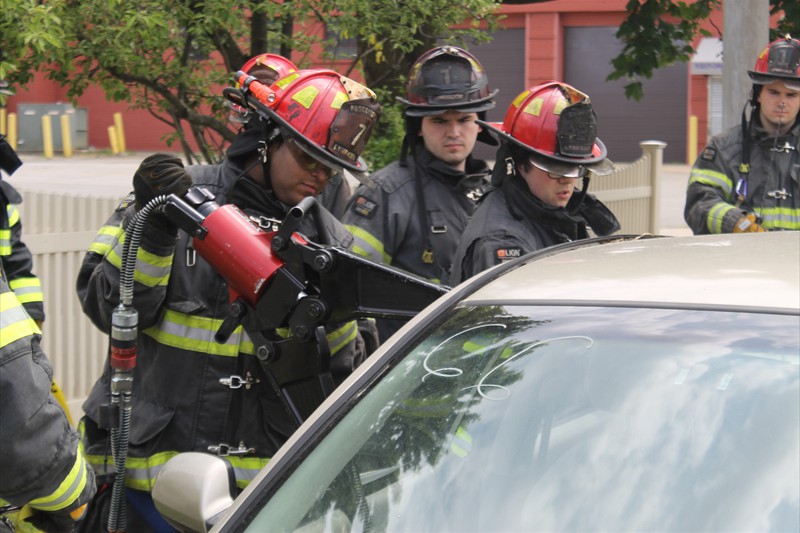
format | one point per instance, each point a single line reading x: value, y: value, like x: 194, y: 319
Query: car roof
x: 733, y: 271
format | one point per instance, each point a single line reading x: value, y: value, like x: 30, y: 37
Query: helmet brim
x: 563, y: 166
x: 571, y: 170
x: 476, y: 106
x: 759, y: 78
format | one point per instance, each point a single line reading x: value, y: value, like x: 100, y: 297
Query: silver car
x: 623, y: 384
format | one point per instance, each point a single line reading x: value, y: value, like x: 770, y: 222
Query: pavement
x: 104, y: 175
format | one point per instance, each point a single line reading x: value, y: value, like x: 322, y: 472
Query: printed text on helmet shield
x: 352, y: 127
x: 577, y: 130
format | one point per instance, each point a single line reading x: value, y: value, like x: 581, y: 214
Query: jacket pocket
x: 152, y: 419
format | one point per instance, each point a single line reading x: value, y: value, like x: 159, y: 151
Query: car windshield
x: 526, y: 418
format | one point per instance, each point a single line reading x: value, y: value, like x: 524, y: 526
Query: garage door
x: 504, y: 61
x: 623, y: 123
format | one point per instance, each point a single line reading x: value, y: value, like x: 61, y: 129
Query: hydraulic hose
x: 124, y: 330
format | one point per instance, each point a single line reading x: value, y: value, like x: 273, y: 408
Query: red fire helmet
x: 329, y: 115
x: 780, y: 61
x: 556, y: 125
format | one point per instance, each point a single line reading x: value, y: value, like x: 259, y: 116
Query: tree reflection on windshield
x: 581, y: 419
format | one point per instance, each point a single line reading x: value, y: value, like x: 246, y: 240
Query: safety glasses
x: 306, y: 161
x: 559, y: 176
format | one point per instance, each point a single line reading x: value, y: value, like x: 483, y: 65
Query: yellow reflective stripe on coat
x: 141, y: 472
x: 367, y: 245
x: 69, y: 490
x: 105, y: 239
x: 716, y: 179
x: 337, y: 339
x: 716, y: 215
x: 196, y: 333
x: 15, y: 323
x: 13, y: 215
x: 28, y: 290
x: 5, y: 242
x: 341, y: 337
x: 5, y: 233
x: 787, y: 218
x: 151, y: 270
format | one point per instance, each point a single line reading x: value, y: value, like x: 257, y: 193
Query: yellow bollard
x: 691, y: 152
x: 3, y: 121
x: 47, y: 136
x: 66, y: 136
x: 112, y: 140
x: 120, y: 132
x: 12, y: 130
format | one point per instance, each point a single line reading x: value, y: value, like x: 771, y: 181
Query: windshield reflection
x: 567, y: 419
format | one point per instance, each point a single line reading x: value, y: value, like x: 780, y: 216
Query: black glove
x: 55, y: 522
x: 160, y: 174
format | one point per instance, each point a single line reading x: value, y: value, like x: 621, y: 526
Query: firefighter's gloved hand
x: 58, y: 521
x: 160, y: 174
x: 748, y: 224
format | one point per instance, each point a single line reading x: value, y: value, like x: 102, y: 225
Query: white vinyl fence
x: 58, y: 229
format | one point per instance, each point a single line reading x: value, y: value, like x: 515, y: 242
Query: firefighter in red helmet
x: 548, y: 141
x: 194, y: 394
x: 413, y: 216
x: 267, y: 69
x: 746, y: 179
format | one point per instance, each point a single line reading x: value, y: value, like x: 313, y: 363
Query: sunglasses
x: 306, y: 161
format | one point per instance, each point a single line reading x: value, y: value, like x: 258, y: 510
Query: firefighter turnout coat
x: 391, y: 228
x: 190, y: 393
x: 511, y: 222
x: 41, y: 461
x: 16, y: 258
x: 772, y: 183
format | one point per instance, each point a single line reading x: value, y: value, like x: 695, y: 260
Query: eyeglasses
x: 559, y: 176
x: 306, y: 161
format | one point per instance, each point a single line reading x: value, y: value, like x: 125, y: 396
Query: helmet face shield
x: 570, y: 170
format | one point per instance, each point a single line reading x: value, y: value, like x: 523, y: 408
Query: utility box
x: 29, y: 136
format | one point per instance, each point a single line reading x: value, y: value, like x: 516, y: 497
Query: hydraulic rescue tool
x: 283, y: 290
x: 279, y: 280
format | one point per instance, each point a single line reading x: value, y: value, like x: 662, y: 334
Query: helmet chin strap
x: 263, y: 156
x: 581, y: 194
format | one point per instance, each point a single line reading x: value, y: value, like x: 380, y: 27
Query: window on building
x: 339, y: 47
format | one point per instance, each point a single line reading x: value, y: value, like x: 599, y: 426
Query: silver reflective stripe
x: 13, y: 315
